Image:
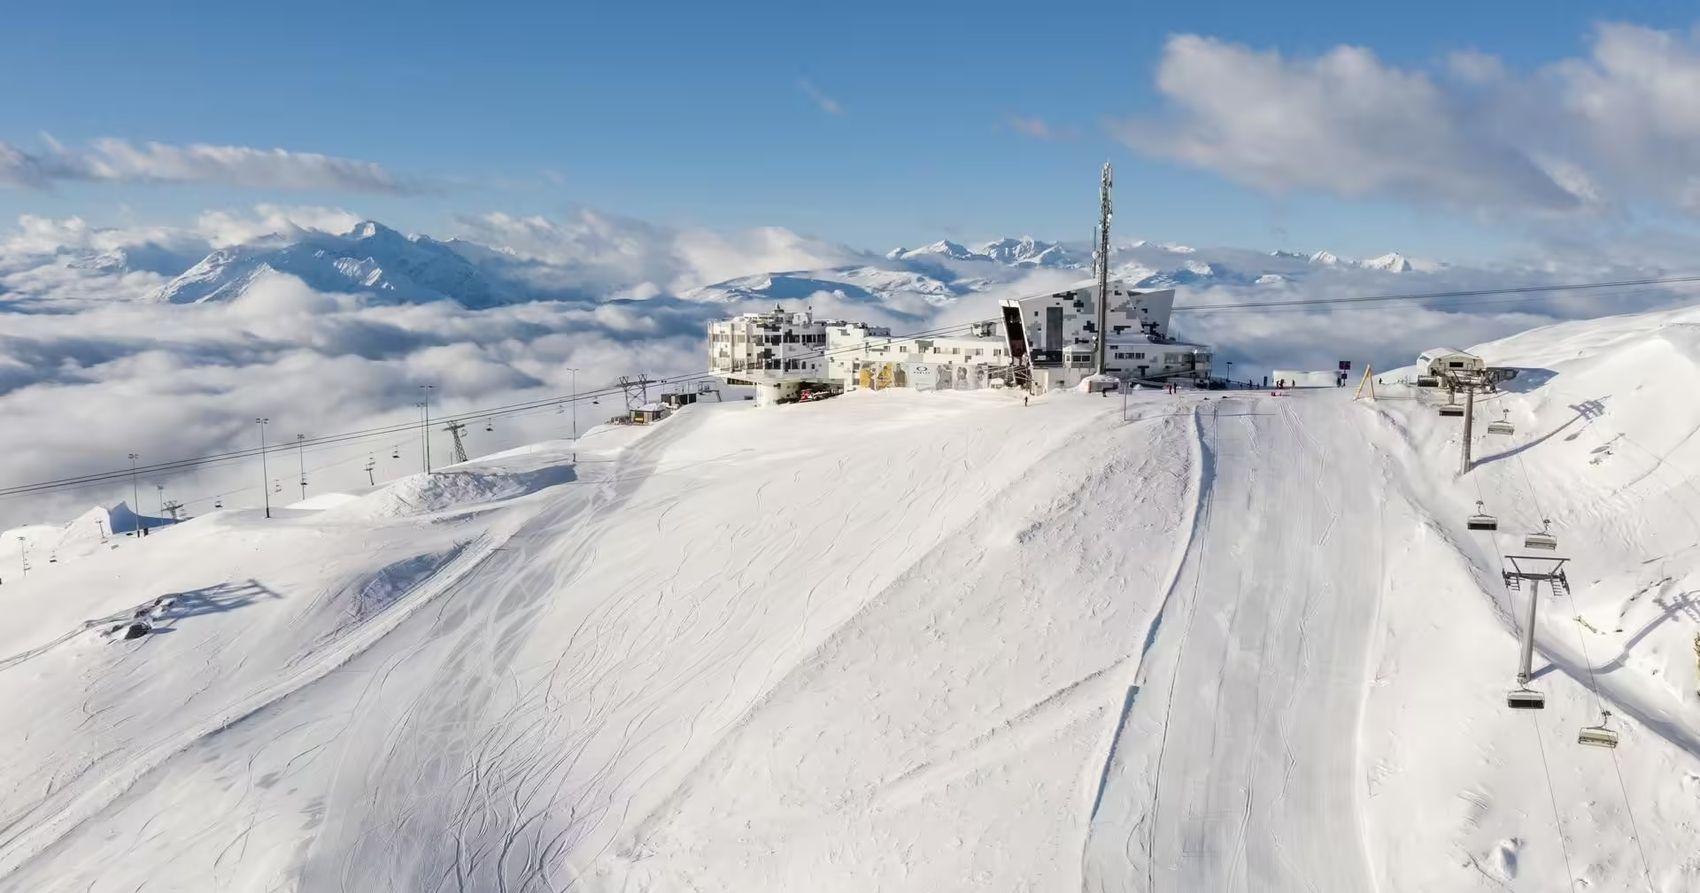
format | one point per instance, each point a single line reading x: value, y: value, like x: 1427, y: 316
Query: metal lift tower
x: 1535, y: 570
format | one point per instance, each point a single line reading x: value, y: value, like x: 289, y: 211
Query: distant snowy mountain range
x: 370, y: 258
x: 392, y: 268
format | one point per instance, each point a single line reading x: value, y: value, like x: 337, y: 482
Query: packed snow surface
x: 906, y: 641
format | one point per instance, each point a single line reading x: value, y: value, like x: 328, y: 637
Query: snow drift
x: 907, y: 641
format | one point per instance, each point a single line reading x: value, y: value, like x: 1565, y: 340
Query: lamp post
x: 425, y: 426
x: 135, y: 496
x: 264, y: 474
x: 301, y: 461
x: 574, y: 374
x: 1230, y: 373
x: 424, y: 436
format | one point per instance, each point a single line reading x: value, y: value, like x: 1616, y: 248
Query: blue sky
x: 700, y: 114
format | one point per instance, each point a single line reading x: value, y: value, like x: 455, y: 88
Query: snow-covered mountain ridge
x: 371, y: 259
x: 594, y: 264
x: 1043, y: 646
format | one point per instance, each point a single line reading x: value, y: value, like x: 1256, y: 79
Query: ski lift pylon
x: 1481, y: 520
x: 1502, y: 425
x: 1598, y: 735
x: 1543, y: 539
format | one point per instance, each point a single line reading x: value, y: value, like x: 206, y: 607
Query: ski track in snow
x: 892, y: 641
x: 1240, y: 776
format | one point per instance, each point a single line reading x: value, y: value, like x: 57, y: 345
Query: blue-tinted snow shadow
x: 177, y: 606
x: 1683, y: 604
x: 1526, y: 379
x: 1586, y: 411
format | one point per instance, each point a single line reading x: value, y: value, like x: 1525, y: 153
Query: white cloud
x: 81, y: 389
x: 822, y: 101
x: 1040, y: 129
x: 1616, y: 128
x: 233, y: 227
x: 36, y: 235
x: 1342, y: 122
x: 1635, y: 105
x: 1475, y: 67
x: 121, y: 161
x: 638, y: 259
x: 84, y: 381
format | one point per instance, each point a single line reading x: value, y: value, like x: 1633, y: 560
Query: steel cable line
x: 361, y: 434
x: 1535, y: 722
x: 1622, y: 788
x: 1425, y: 296
x: 1438, y: 304
x: 1271, y: 306
x: 383, y: 431
x: 1599, y: 702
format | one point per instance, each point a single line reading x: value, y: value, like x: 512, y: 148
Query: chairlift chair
x: 218, y: 502
x: 1451, y: 410
x: 395, y: 453
x: 1481, y: 520
x: 1502, y: 426
x: 489, y: 424
x: 1542, y: 539
x: 1599, y: 735
x: 1525, y: 698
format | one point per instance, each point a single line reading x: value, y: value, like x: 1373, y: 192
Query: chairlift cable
x: 1617, y: 766
x: 523, y: 407
x: 1439, y: 295
x: 1552, y: 796
x: 1535, y: 724
x: 1534, y: 496
x: 1599, y: 704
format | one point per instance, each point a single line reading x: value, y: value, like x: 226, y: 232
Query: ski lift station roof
x: 1440, y: 360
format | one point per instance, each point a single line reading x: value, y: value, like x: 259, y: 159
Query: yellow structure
x: 1368, y: 381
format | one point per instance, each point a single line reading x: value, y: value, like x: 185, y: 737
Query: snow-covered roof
x: 652, y: 407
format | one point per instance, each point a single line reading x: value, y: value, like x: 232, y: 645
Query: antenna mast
x: 1101, y: 259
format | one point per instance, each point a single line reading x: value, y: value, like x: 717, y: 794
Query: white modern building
x: 1041, y: 342
x: 1437, y: 363
x: 1055, y: 336
x: 780, y: 352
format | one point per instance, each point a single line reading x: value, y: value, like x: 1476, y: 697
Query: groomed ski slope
x: 903, y: 641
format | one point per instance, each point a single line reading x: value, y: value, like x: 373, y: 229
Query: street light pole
x: 574, y: 374
x: 301, y: 461
x: 264, y: 474
x: 136, y: 498
x: 423, y: 435
x: 425, y: 427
